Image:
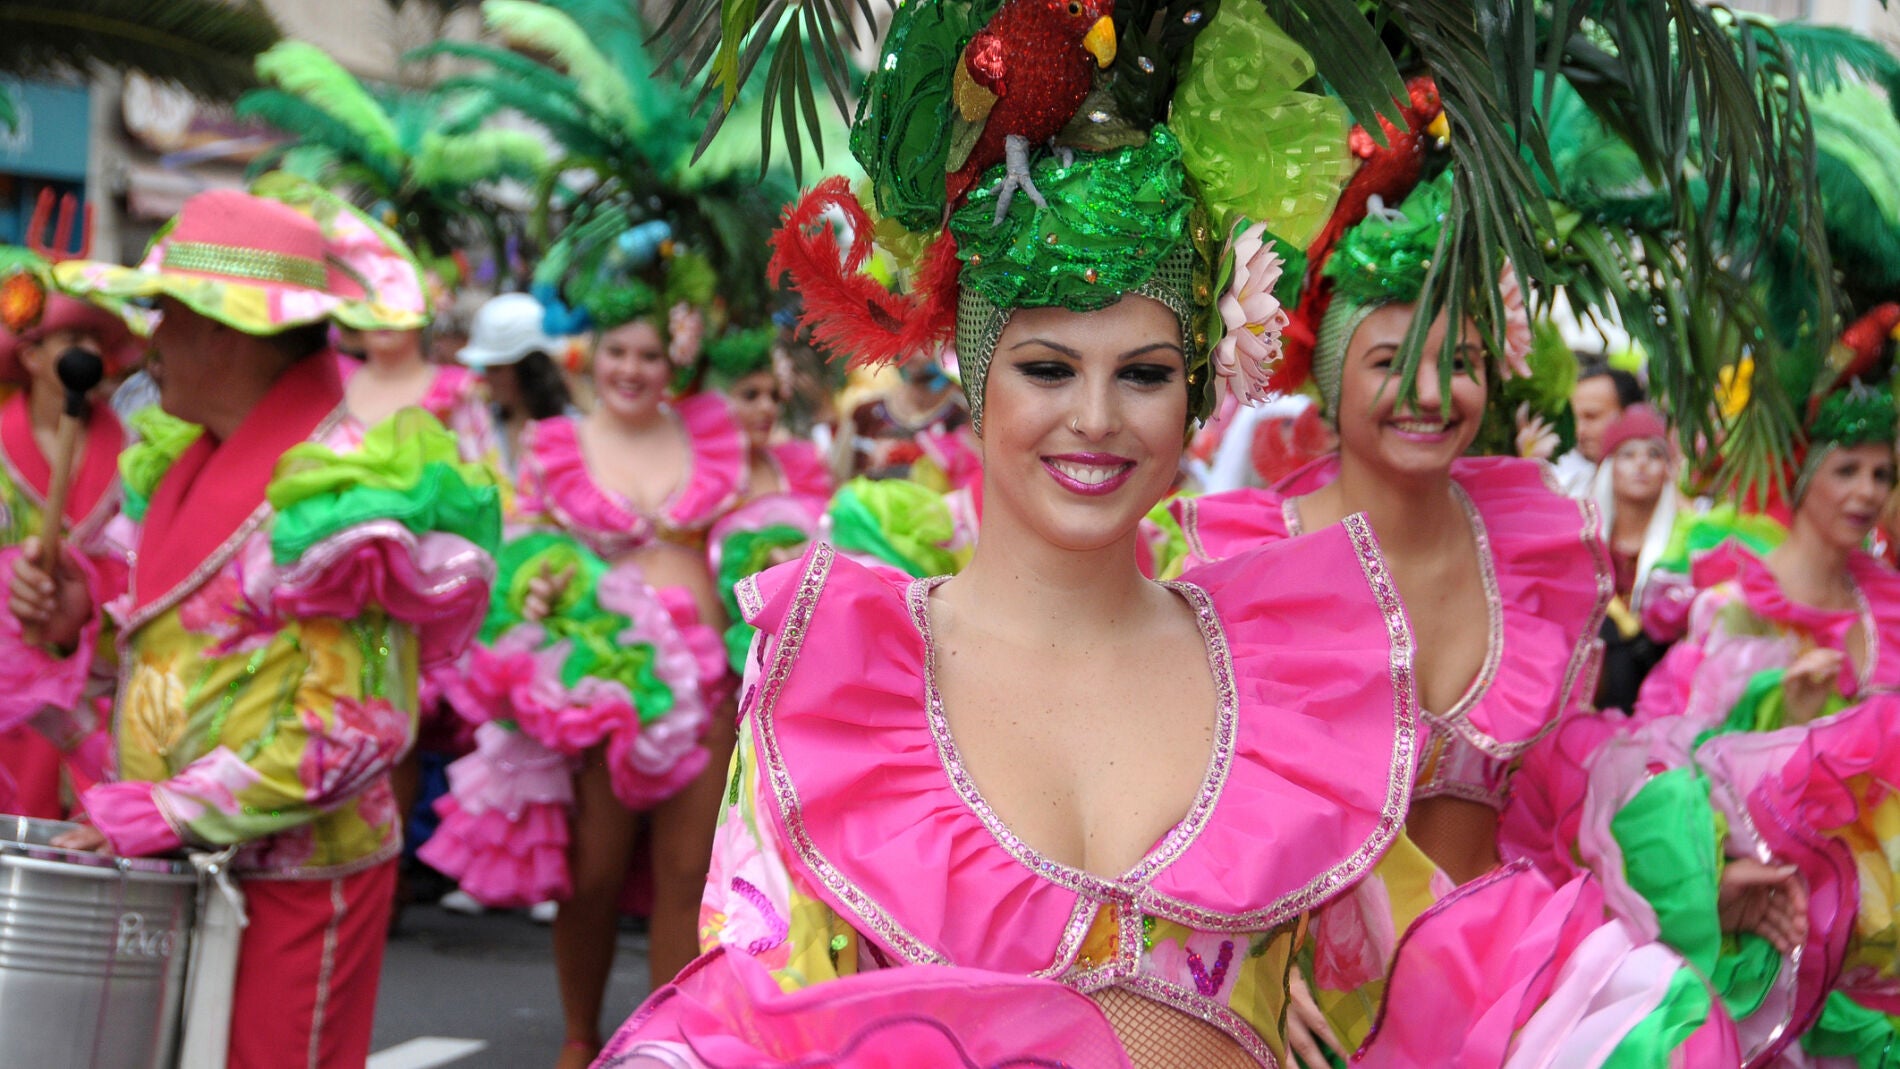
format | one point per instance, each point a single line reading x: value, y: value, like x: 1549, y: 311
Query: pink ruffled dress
x: 619, y: 663
x: 1411, y: 968
x: 864, y: 897
x: 1823, y: 795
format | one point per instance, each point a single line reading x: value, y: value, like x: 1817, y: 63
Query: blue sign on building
x: 50, y: 140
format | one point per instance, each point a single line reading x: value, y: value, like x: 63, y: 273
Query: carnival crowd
x: 1136, y: 628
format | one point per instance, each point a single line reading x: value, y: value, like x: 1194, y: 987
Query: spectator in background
x: 882, y: 431
x: 1635, y: 491
x: 1600, y: 396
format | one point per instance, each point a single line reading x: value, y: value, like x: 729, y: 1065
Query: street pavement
x: 452, y: 982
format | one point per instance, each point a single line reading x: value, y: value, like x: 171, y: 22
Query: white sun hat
x: 506, y: 329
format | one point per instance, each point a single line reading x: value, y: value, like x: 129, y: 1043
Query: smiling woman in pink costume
x: 787, y: 482
x: 1014, y: 816
x: 601, y: 685
x: 36, y: 734
x: 1782, y: 697
x: 1506, y: 582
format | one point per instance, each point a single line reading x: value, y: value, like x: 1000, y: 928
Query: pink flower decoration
x: 685, y: 330
x: 1517, y: 326
x: 1248, y: 352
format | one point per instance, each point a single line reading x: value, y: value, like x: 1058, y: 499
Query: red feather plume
x: 848, y: 311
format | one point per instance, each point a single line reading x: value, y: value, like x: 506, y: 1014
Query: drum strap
x: 212, y: 975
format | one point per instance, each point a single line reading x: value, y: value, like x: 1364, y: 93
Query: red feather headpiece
x: 848, y: 311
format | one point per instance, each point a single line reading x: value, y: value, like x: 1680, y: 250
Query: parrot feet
x: 1376, y: 209
x: 1015, y: 177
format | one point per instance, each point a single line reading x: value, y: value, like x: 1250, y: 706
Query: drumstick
x: 79, y: 371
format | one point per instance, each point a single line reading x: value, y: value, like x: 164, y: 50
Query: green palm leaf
x: 203, y: 46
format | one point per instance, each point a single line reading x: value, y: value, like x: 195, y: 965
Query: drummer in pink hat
x: 36, y: 327
x: 294, y: 573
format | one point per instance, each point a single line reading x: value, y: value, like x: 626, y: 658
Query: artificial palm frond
x: 625, y: 138
x: 307, y: 73
x: 537, y: 28
x: 203, y: 46
x: 1826, y: 57
x: 419, y: 160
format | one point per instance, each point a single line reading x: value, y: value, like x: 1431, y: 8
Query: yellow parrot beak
x: 1100, y: 41
x: 1895, y: 332
x: 1440, y: 128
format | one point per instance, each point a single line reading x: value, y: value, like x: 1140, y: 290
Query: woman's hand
x: 1809, y: 682
x: 1769, y: 900
x: 544, y: 592
x: 1306, y: 1026
x: 53, y: 608
x: 84, y: 837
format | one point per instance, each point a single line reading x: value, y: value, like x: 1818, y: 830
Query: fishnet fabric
x: 980, y: 323
x: 1161, y: 1037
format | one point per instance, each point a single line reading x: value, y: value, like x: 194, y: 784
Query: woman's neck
x: 618, y: 425
x: 1630, y: 526
x: 1811, y: 570
x: 1030, y: 588
x: 398, y: 366
x: 1408, y: 513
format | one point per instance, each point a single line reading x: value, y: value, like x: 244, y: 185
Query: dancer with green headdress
x: 601, y: 681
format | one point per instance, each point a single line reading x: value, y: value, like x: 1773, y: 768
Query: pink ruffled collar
x: 801, y: 470
x: 871, y: 794
x: 1548, y: 582
x: 1879, y: 613
x: 554, y: 468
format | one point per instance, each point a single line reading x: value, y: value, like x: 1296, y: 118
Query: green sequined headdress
x: 1199, y: 132
x: 740, y: 352
x: 606, y: 271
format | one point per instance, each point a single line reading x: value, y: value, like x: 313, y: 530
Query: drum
x: 92, y: 953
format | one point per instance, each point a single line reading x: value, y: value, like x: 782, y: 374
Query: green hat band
x: 258, y: 264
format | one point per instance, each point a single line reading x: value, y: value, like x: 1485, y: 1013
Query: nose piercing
x: 1073, y: 427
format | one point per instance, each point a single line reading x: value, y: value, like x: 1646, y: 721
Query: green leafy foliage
x: 203, y: 46
x: 421, y: 160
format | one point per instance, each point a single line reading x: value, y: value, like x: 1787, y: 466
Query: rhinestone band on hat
x: 239, y: 262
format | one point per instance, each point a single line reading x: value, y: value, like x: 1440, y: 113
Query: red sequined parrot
x: 1389, y: 171
x: 1018, y: 82
x: 1861, y: 344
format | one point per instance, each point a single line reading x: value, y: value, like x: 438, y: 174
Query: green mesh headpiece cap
x: 1383, y: 260
x: 1116, y: 223
x: 1860, y: 414
x: 738, y: 353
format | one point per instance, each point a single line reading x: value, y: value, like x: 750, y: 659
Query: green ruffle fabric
x: 1672, y: 857
x: 1259, y: 147
x: 896, y: 521
x: 1385, y: 260
x: 1763, y: 705
x: 1849, y: 1030
x: 1696, y: 535
x: 1685, y: 1007
x: 593, y: 632
x: 742, y: 554
x: 1112, y: 218
x: 162, y: 439
x: 406, y: 470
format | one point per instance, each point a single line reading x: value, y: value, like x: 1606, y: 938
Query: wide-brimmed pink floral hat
x: 286, y: 255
